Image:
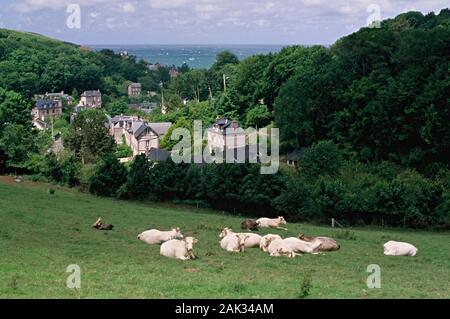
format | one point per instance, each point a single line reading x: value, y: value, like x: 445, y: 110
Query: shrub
x: 138, y: 181
x: 322, y: 158
x: 108, y: 177
x: 305, y: 286
x: 296, y: 201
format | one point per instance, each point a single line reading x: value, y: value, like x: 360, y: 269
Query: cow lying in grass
x: 251, y: 240
x: 290, y: 247
x: 154, y: 236
x: 250, y: 225
x: 272, y: 222
x: 265, y: 241
x: 234, y: 242
x: 395, y: 248
x: 179, y: 249
x: 101, y: 226
x: 328, y: 244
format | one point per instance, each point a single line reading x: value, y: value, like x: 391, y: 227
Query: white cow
x: 395, y: 248
x: 328, y: 244
x: 234, y: 242
x: 272, y: 222
x: 179, y: 249
x: 154, y: 236
x: 251, y: 241
x: 291, y: 247
x: 265, y: 241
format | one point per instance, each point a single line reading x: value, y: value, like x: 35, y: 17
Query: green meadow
x: 42, y: 233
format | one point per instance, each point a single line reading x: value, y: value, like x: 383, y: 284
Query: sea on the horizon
x: 196, y: 56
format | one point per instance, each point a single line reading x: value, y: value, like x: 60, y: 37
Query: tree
x: 223, y: 58
x: 138, y: 181
x: 17, y: 143
x: 257, y: 116
x: 14, y: 109
x: 323, y: 158
x: 306, y: 101
x: 108, y: 177
x: 248, y: 81
x: 88, y: 136
x: 167, y: 142
x: 117, y: 107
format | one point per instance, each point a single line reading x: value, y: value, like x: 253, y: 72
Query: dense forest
x: 369, y: 115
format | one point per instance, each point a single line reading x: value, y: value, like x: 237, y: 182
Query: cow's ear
x: 195, y: 240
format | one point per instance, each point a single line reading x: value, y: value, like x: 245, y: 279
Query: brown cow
x: 328, y: 244
x: 101, y: 226
x: 250, y: 225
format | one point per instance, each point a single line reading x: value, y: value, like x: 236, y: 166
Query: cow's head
x: 177, y: 233
x: 282, y: 220
x: 225, y: 232
x: 241, y: 241
x: 189, y: 242
x: 98, y: 223
x: 265, y: 242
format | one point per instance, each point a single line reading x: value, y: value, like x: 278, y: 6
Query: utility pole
x: 53, y: 133
x: 224, y: 83
x: 163, y: 108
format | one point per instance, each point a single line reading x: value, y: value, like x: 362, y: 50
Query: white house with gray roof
x: 141, y: 136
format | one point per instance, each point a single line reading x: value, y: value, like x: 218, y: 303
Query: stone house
x: 47, y: 109
x: 141, y: 136
x: 134, y: 89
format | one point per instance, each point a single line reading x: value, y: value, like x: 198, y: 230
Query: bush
x: 123, y: 151
x: 138, y: 181
x: 108, y: 177
x: 296, y: 201
x: 305, y: 286
x: 323, y: 158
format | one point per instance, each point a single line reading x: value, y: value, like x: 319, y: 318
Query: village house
x: 293, y: 158
x: 90, y: 99
x: 57, y: 96
x: 47, y: 109
x: 141, y: 136
x: 134, y: 89
x: 225, y: 134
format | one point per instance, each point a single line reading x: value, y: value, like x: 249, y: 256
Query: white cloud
x: 25, y: 6
x: 127, y: 7
x: 168, y: 4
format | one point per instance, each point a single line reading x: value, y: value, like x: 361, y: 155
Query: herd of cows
x: 174, y: 245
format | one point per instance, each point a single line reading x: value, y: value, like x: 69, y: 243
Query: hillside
x: 42, y: 234
x: 31, y: 64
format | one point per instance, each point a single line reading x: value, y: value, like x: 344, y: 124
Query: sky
x: 202, y: 21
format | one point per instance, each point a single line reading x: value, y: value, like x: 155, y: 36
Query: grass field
x: 41, y: 234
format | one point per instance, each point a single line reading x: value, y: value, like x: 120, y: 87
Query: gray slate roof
x: 91, y: 93
x: 46, y: 104
x: 160, y: 128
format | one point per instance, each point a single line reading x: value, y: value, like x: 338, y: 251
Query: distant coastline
x: 196, y: 56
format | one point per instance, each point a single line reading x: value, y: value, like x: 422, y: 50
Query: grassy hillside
x: 42, y: 234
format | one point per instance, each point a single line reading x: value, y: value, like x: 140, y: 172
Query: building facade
x: 90, y: 99
x: 47, y: 109
x: 225, y: 134
x: 141, y: 136
x: 134, y: 89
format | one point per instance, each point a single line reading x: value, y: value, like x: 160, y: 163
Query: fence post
x: 332, y: 222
